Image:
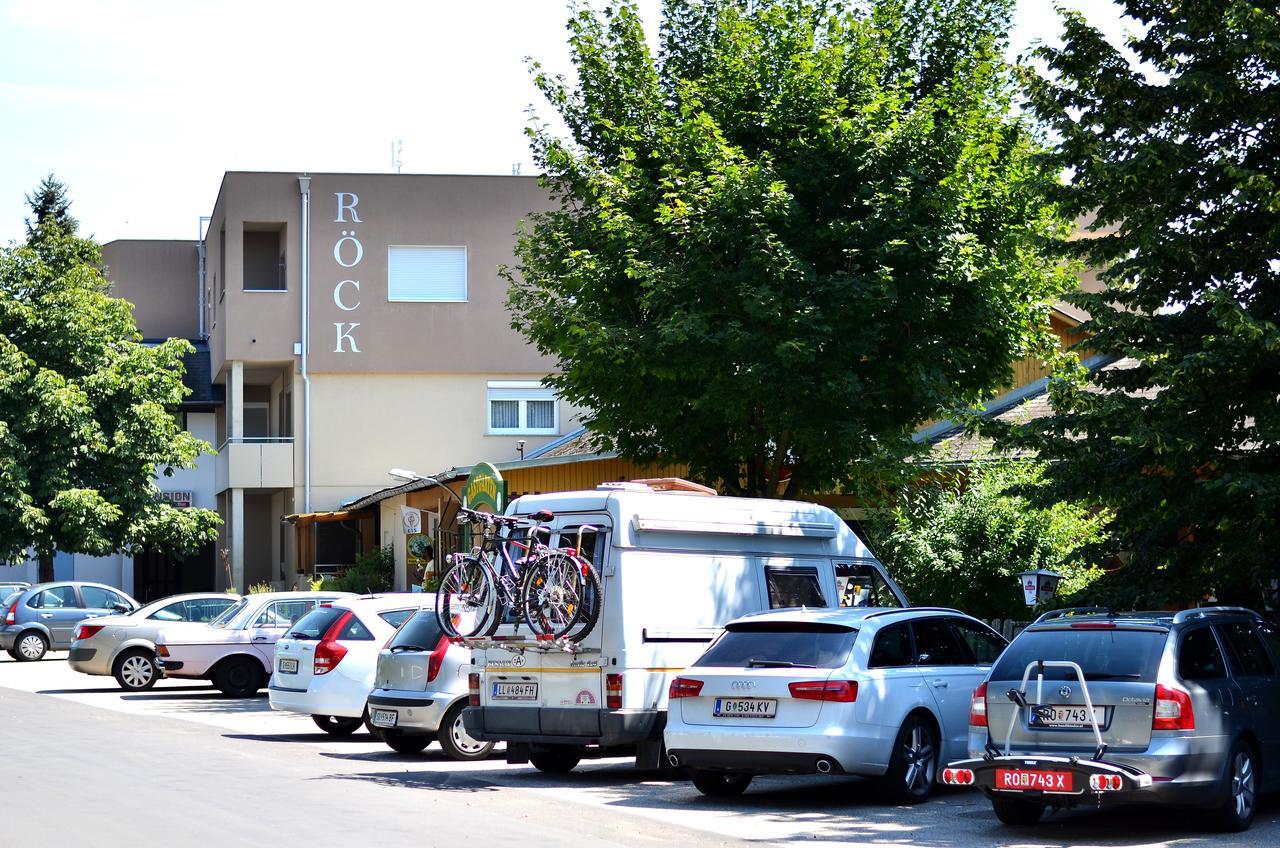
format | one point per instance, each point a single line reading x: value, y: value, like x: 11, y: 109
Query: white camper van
x: 674, y: 567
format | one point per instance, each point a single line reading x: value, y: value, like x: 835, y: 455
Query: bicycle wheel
x: 591, y: 603
x: 466, y: 598
x: 551, y: 593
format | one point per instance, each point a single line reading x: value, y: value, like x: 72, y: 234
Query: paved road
x: 86, y: 764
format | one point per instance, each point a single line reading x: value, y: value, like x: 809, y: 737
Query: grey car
x: 123, y: 646
x: 44, y: 617
x: 1103, y: 708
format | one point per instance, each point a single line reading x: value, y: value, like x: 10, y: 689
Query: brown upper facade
x: 402, y: 271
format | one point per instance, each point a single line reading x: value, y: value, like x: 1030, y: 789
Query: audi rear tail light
x: 473, y: 689
x: 1173, y: 709
x: 978, y: 706
x: 87, y: 631
x: 684, y: 687
x: 613, y: 691
x: 845, y: 691
x: 437, y: 658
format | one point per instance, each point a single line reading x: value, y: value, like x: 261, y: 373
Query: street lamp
x: 404, y: 474
x: 1038, y: 586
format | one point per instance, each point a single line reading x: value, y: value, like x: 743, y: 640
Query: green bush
x: 373, y: 572
x: 960, y: 540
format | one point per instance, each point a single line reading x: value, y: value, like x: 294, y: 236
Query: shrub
x: 373, y: 572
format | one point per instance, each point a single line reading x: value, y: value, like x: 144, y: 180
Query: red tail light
x: 825, y: 690
x: 437, y: 658
x: 684, y: 687
x: 613, y: 691
x: 328, y: 652
x: 1173, y: 710
x: 978, y: 706
x: 958, y: 777
x: 1094, y: 625
x: 87, y: 631
x: 11, y: 616
x: 473, y: 689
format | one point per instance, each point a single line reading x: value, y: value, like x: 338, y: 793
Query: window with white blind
x: 426, y: 274
x: 522, y: 407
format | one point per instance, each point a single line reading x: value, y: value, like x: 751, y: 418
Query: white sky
x: 141, y: 105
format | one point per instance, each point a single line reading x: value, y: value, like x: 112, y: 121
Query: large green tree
x: 1173, y: 144
x: 50, y: 206
x: 85, y: 410
x: 787, y: 238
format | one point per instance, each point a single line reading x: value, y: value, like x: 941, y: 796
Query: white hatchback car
x: 235, y: 650
x: 876, y: 692
x: 324, y: 664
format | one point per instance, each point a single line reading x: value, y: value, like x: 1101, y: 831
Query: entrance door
x: 159, y: 575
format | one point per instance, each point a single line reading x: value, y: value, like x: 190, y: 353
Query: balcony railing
x: 255, y: 462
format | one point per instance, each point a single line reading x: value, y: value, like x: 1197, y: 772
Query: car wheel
x: 405, y: 743
x: 913, y: 765
x: 719, y: 784
x: 30, y: 646
x: 1237, y: 811
x: 239, y: 677
x: 1016, y: 811
x: 456, y: 743
x: 135, y: 670
x: 337, y: 725
x: 555, y: 760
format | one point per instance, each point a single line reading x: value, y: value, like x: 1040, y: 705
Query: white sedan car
x: 876, y: 692
x: 324, y: 664
x: 235, y: 649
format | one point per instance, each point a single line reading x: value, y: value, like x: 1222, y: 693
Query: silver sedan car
x: 123, y: 646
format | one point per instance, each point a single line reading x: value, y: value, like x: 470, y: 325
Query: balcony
x: 254, y: 463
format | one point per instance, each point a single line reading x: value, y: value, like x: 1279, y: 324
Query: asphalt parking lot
x: 195, y: 756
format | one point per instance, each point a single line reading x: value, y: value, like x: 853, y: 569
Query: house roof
x: 197, y: 376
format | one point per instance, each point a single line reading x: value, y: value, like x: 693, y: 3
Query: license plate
x: 745, y: 708
x: 288, y: 666
x: 383, y: 718
x: 1058, y: 715
x: 515, y: 691
x: 1037, y: 780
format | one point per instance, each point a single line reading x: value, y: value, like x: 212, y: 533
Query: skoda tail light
x: 978, y: 706
x: 1173, y: 709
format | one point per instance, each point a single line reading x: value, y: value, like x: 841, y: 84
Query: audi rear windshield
x: 776, y: 644
x: 1102, y: 654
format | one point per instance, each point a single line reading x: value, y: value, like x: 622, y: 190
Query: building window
x: 427, y: 274
x: 264, y: 267
x: 257, y: 412
x: 523, y: 407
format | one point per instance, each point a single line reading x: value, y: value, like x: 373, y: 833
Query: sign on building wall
x: 180, y: 500
x: 348, y: 253
x: 411, y: 519
x: 485, y: 489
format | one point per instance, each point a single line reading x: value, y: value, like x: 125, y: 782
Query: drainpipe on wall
x: 304, y: 186
x: 204, y: 219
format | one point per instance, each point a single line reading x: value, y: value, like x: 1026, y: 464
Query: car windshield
x: 229, y: 613
x: 420, y: 633
x: 314, y: 624
x: 780, y: 645
x: 1102, y: 654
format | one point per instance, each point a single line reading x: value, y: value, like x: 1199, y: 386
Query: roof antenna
x: 397, y: 147
x: 515, y: 169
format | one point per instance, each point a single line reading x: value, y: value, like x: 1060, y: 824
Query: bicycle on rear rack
x: 554, y: 589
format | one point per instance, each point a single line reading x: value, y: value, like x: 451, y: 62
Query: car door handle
x: 46, y: 615
x: 259, y: 638
x: 940, y: 684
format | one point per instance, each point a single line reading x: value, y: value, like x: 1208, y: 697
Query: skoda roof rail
x: 1066, y: 612
x: 1205, y: 612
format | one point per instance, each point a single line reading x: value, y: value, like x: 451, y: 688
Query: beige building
x: 357, y: 323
